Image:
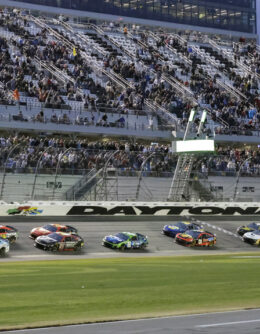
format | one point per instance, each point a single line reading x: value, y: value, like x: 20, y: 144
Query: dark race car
x: 59, y: 241
x: 248, y: 228
x: 196, y: 238
x: 51, y: 228
x: 125, y: 240
x: 8, y: 232
x: 180, y: 227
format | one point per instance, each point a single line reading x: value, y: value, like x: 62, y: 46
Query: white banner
x: 128, y: 209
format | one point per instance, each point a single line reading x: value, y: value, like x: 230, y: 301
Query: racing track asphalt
x: 234, y: 322
x: 93, y: 232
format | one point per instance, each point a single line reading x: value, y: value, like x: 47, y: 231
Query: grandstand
x: 94, y: 107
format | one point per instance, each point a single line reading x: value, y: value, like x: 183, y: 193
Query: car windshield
x: 255, y: 226
x: 55, y: 236
x: 256, y: 232
x: 50, y: 228
x: 193, y: 233
x: 140, y: 236
x: 182, y: 225
x: 122, y: 236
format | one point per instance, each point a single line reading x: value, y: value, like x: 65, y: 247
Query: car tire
x: 123, y: 248
x: 12, y: 240
x: 2, y: 251
x: 55, y: 248
x: 76, y: 248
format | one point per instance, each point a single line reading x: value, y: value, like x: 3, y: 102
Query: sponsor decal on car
x: 186, y: 236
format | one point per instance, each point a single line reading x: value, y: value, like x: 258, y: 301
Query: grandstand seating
x: 62, y: 77
x: 74, y: 67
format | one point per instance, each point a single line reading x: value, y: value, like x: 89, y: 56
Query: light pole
x: 140, y: 175
x: 178, y: 166
x: 3, y: 179
x: 238, y: 175
x: 36, y: 171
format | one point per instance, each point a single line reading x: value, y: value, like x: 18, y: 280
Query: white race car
x: 4, y: 246
x: 252, y: 238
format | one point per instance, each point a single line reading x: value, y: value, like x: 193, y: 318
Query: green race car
x: 125, y: 240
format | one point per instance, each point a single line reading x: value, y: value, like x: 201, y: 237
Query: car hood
x: 46, y: 240
x: 113, y: 239
x: 245, y: 228
x: 252, y: 235
x: 184, y: 235
x: 173, y: 228
x: 40, y: 230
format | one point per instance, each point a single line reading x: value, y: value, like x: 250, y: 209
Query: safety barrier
x: 129, y: 209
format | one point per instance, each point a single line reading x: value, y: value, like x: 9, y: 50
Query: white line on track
x: 30, y: 256
x: 245, y: 257
x: 228, y: 323
x: 218, y: 229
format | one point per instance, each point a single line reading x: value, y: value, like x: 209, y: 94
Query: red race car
x: 52, y: 228
x: 196, y: 238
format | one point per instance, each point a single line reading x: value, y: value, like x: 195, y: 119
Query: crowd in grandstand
x: 246, y: 161
x: 81, y: 154
x: 145, y: 72
x: 21, y: 153
x: 39, y: 65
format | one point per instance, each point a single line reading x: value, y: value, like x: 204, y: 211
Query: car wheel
x: 55, y: 248
x: 76, y: 248
x: 123, y: 248
x: 2, y: 251
x: 12, y: 239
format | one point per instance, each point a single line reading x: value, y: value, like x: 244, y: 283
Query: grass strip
x: 45, y: 293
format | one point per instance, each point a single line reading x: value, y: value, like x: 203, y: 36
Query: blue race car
x: 125, y: 240
x: 180, y: 227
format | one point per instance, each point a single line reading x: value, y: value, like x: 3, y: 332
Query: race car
x: 196, y: 238
x: 59, y: 241
x: 125, y: 240
x: 252, y: 238
x: 180, y: 227
x: 51, y: 228
x: 4, y: 246
x: 8, y: 232
x: 248, y: 228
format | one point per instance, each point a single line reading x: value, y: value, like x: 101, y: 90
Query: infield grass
x: 64, y: 292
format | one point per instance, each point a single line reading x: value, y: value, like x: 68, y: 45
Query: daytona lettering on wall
x: 161, y: 210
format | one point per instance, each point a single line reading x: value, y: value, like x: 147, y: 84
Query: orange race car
x: 196, y: 238
x: 52, y: 228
